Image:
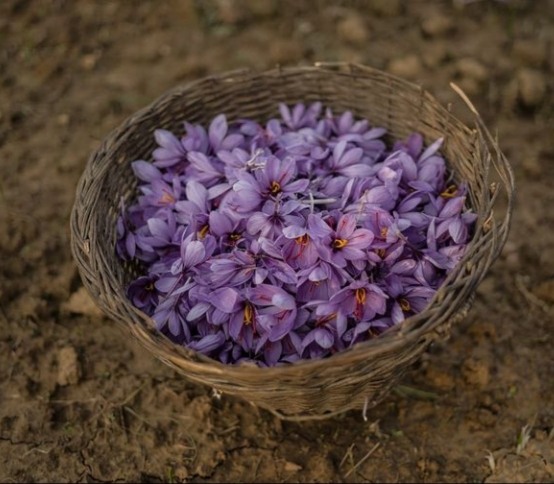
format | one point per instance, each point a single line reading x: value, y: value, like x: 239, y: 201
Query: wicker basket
x: 358, y: 376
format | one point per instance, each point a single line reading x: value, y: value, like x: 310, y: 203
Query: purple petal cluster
x: 271, y: 243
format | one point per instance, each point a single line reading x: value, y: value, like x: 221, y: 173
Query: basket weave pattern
x: 365, y: 373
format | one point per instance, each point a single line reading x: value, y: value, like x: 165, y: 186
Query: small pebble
x: 476, y: 373
x: 284, y: 51
x: 472, y: 69
x: 408, y: 67
x: 439, y: 379
x: 437, y: 25
x: 62, y: 119
x: 352, y: 29
x: 292, y: 467
x: 531, y: 87
x: 89, y: 61
x: 81, y: 303
x: 69, y: 370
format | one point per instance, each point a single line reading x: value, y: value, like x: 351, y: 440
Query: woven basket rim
x: 411, y: 329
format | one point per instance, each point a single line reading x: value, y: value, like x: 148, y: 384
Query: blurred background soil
x: 79, y: 401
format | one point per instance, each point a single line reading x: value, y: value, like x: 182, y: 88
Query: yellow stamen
x: 167, y: 198
x: 339, y: 243
x: 275, y: 188
x: 361, y: 295
x: 381, y: 253
x: 203, y: 231
x: 149, y: 287
x: 248, y: 314
x: 384, y: 232
x: 302, y: 240
x: 404, y: 305
x: 234, y: 237
x: 450, y: 192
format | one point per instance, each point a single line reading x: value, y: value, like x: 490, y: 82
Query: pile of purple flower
x: 290, y: 240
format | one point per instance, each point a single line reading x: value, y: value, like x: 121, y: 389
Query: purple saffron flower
x: 209, y: 343
x: 126, y: 244
x: 171, y: 151
x: 346, y: 124
x: 145, y: 171
x: 320, y: 281
x: 365, y: 330
x: 388, y: 228
x: 451, y: 222
x: 234, y: 269
x: 445, y: 207
x: 241, y: 313
x: 407, y: 295
x: 318, y: 342
x: 203, y: 169
x: 410, y: 207
x: 197, y: 203
x: 387, y: 257
x: 261, y: 262
x: 219, y: 136
x: 380, y: 197
x: 160, y: 194
x: 278, y: 312
x: 413, y: 145
x: 299, y: 250
x: 170, y: 313
x: 272, y: 352
x: 161, y: 234
x: 430, y: 151
x: 431, y: 169
x: 193, y: 253
x: 348, y: 162
x: 300, y: 116
x: 273, y: 217
x: 270, y: 264
x: 345, y: 243
x: 444, y: 258
x: 271, y: 181
x: 325, y: 337
x: 196, y: 138
x: 371, y: 144
x: 228, y: 231
x: 236, y: 159
x: 403, y: 164
x: 218, y: 306
x: 142, y: 293
x: 359, y: 300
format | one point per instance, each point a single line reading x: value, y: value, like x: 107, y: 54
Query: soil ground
x: 79, y: 401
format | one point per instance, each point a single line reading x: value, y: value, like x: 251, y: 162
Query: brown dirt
x: 79, y: 401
